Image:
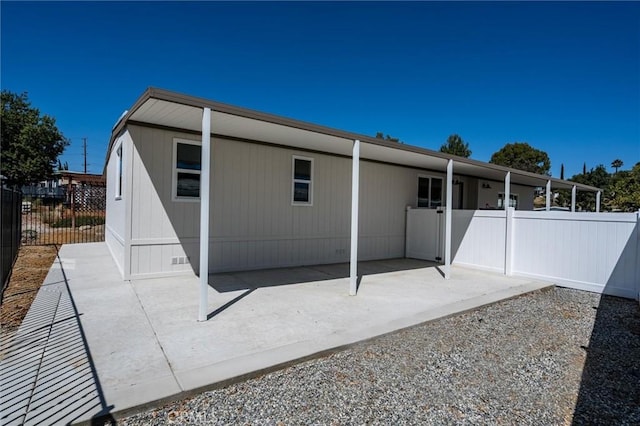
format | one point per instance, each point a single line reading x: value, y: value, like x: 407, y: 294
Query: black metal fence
x: 77, y: 215
x: 10, y: 224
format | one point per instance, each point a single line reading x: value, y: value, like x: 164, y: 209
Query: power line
x: 84, y: 140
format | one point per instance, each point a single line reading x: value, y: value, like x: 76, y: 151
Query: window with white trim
x: 513, y: 200
x: 429, y: 192
x: 187, y: 160
x: 302, y: 186
x: 119, y: 173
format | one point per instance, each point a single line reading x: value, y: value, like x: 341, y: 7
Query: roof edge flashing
x: 198, y: 102
x: 126, y: 111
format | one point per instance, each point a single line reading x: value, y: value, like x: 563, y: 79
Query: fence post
x: 638, y: 256
x: 548, y: 196
x: 14, y: 220
x: 73, y: 205
x: 10, y: 233
x: 508, y: 236
x: 406, y: 230
x: 19, y: 211
x: 447, y: 221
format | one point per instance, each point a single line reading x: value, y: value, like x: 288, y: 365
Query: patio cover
x: 174, y: 110
x: 170, y: 110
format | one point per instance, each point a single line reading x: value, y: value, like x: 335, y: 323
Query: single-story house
x: 58, y: 185
x: 253, y: 190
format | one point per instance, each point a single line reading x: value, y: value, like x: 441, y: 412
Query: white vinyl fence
x: 425, y: 234
x: 589, y: 251
x: 478, y: 238
x: 597, y: 252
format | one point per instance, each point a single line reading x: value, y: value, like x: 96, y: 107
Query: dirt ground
x: 29, y: 271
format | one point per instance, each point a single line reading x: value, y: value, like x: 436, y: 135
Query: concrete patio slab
x: 140, y: 340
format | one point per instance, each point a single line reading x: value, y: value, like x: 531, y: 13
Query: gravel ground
x: 552, y: 357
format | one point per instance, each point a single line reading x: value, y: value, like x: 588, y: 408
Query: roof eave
x: 193, y: 101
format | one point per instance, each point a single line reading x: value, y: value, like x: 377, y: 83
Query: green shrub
x: 80, y: 221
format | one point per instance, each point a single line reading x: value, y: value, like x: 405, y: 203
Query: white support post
x: 598, y: 201
x: 355, y: 185
x: 508, y: 248
x: 573, y: 198
x: 507, y: 192
x: 506, y: 203
x: 447, y: 222
x: 637, y: 272
x: 205, y: 174
x: 548, y: 204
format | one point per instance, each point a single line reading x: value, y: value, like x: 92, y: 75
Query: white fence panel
x: 478, y: 238
x: 425, y: 234
x: 589, y: 251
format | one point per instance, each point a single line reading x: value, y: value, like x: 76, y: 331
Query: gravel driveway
x: 551, y: 357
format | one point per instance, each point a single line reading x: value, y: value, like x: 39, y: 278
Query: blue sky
x: 564, y: 77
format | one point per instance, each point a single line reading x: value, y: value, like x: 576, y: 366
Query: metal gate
x: 75, y: 213
x: 425, y: 234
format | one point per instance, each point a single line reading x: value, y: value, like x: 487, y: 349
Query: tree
x: 598, y: 177
x: 616, y: 164
x: 31, y: 143
x: 456, y: 146
x: 380, y: 135
x: 562, y: 195
x: 625, y: 190
x: 522, y: 156
x: 62, y: 167
x: 584, y: 168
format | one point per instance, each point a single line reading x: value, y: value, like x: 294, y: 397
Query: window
x: 186, y: 170
x: 119, y: 173
x: 513, y: 200
x: 302, y: 190
x: 429, y: 192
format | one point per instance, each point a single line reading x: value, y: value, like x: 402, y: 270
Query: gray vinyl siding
x: 472, y: 194
x: 525, y: 196
x: 116, y: 208
x: 490, y: 195
x: 160, y: 227
x: 253, y: 223
x: 385, y: 192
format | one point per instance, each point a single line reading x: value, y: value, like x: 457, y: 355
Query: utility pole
x: 84, y: 144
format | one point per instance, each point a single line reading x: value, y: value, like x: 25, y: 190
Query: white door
x: 425, y: 234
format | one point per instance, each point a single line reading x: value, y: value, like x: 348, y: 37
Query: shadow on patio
x: 253, y: 280
x: 47, y: 375
x: 248, y: 280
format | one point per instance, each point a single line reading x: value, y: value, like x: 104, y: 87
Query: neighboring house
x: 279, y: 192
x: 79, y: 178
x: 64, y: 183
x: 52, y: 188
x: 86, y: 189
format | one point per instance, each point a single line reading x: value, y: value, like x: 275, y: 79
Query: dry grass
x: 52, y: 225
x: 61, y: 236
x: 29, y: 271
